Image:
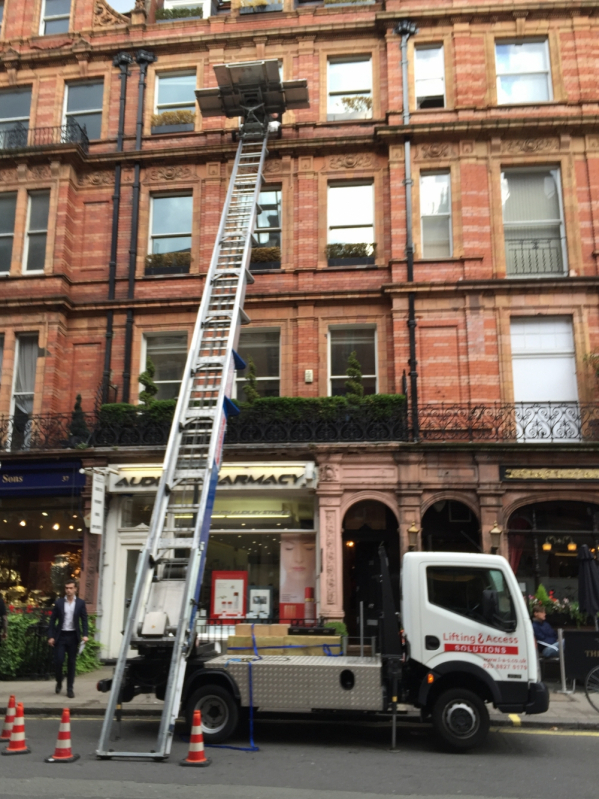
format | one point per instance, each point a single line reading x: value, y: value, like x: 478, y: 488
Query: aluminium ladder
x: 167, y: 586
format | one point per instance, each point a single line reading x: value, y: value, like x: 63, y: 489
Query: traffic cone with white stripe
x: 9, y: 720
x: 196, y: 755
x: 63, y: 752
x: 18, y: 745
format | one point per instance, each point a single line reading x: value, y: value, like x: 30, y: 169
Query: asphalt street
x: 309, y: 760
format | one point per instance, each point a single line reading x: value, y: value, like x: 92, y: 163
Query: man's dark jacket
x: 57, y: 617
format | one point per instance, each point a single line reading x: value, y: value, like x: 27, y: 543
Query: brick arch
x: 556, y: 496
x: 456, y: 496
x: 352, y: 499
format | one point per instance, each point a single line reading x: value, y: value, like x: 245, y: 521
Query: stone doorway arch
x: 450, y: 526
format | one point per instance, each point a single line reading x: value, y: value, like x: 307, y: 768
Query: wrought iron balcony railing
x: 21, y: 137
x: 543, y: 422
x: 529, y: 257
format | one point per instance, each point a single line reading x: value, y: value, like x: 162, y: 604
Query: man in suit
x: 68, y: 627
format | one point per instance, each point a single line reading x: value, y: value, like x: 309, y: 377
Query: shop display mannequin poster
x: 298, y: 575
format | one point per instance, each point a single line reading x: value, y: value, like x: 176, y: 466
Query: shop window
x: 264, y: 348
x: 429, y: 76
x: 435, y: 215
x: 266, y: 244
x: 350, y: 88
x: 1, y: 16
x: 175, y: 91
x: 15, y: 107
x: 8, y: 206
x: 533, y: 223
x: 170, y: 235
x: 350, y: 223
x: 55, y: 17
x: 465, y: 591
x: 344, y: 342
x: 83, y: 105
x: 34, y: 256
x: 523, y: 72
x: 168, y: 353
x: 23, y: 388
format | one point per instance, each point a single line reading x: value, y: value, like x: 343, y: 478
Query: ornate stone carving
x: 96, y: 179
x: 40, y: 173
x: 106, y: 17
x: 437, y: 150
x: 330, y: 566
x: 328, y: 473
x: 8, y: 175
x: 349, y: 161
x: 273, y: 167
x: 526, y: 146
x: 170, y: 173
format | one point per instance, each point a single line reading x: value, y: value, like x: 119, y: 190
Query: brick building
x: 106, y: 232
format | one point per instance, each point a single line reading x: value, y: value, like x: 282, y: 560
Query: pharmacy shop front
x: 263, y: 556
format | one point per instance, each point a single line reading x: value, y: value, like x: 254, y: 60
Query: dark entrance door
x: 367, y: 525
x: 450, y: 526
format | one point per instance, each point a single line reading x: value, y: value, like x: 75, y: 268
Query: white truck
x: 466, y: 644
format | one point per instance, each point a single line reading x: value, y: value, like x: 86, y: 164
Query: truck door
x: 469, y: 613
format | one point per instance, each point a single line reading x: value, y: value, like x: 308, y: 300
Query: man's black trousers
x: 66, y: 644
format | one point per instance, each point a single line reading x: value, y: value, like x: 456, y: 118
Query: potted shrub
x: 258, y: 6
x: 265, y: 258
x: 168, y: 263
x: 361, y: 254
x: 168, y: 14
x: 173, y: 122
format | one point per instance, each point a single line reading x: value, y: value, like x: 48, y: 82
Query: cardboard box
x: 266, y: 645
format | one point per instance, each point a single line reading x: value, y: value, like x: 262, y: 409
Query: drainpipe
x: 143, y: 58
x: 405, y: 29
x: 122, y: 61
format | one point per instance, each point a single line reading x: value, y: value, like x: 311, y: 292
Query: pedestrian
x: 545, y: 635
x: 3, y: 620
x: 64, y: 633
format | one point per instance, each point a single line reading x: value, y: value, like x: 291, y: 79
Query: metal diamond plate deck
x: 311, y: 682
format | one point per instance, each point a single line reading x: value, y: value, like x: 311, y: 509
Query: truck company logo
x: 482, y: 649
x: 481, y: 644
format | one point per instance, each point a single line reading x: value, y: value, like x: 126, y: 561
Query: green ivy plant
x: 181, y: 117
x: 148, y: 395
x: 251, y: 384
x: 354, y: 388
x: 179, y: 13
x: 262, y: 255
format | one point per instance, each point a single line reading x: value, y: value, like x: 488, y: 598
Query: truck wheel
x: 219, y: 710
x: 460, y: 720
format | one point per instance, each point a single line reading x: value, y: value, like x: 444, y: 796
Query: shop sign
x: 134, y: 479
x: 547, y: 474
x: 96, y: 525
x: 41, y: 479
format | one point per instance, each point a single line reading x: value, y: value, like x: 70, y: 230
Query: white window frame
x: 331, y: 377
x: 1, y: 16
x: 546, y: 72
x: 10, y: 235
x: 352, y: 115
x: 28, y: 231
x: 8, y: 120
x: 260, y: 230
x: 420, y: 48
x: 173, y: 234
x: 347, y: 185
x: 44, y: 18
x: 241, y: 379
x: 180, y: 73
x: 144, y: 352
x: 556, y: 170
x: 18, y: 339
x: 448, y: 215
x: 67, y: 114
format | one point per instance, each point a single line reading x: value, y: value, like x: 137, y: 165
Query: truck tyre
x: 219, y: 710
x: 460, y: 720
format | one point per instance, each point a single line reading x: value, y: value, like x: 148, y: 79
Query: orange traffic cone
x: 18, y: 745
x: 9, y: 720
x: 196, y: 756
x: 63, y: 752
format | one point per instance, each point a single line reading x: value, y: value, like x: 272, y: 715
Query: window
x: 168, y: 353
x: 1, y: 354
x: 351, y: 220
x: 23, y: 387
x: 266, y: 246
x: 1, y: 16
x: 8, y: 205
x: 435, y: 215
x: 535, y: 240
x: 15, y: 106
x: 344, y: 342
x: 478, y: 594
x: 34, y: 257
x: 264, y: 348
x: 176, y: 92
x: 83, y: 105
x: 350, y: 89
x: 55, y: 16
x: 429, y: 76
x: 523, y: 72
x: 170, y: 234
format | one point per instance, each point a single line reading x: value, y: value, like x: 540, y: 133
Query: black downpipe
x: 407, y: 28
x: 143, y: 58
x: 122, y: 61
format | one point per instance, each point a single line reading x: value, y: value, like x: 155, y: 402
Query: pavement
x: 566, y: 711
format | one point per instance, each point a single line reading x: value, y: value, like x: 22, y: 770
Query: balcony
x: 21, y: 137
x: 535, y: 252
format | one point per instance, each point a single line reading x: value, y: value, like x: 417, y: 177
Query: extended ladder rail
x: 192, y: 459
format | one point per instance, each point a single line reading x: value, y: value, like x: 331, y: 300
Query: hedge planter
x: 367, y: 260
x: 265, y: 266
x: 186, y: 127
x: 261, y: 9
x: 179, y: 269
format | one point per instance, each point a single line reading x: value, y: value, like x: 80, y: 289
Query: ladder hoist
x: 170, y: 569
